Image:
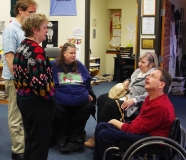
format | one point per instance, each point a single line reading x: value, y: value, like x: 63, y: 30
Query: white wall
x: 100, y: 10
x: 66, y: 23
x: 99, y: 45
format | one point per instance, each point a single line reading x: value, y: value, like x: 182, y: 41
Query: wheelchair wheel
x: 133, y: 149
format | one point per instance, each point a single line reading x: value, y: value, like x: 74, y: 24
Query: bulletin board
x: 115, y: 28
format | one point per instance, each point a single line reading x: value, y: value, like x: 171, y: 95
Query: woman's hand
x: 90, y: 98
x: 126, y: 83
x: 127, y: 104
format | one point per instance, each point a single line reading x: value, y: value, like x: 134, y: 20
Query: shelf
x: 93, y: 69
x: 3, y: 101
x: 94, y: 64
x: 93, y: 58
x: 2, y: 83
x: 2, y: 86
x: 95, y: 73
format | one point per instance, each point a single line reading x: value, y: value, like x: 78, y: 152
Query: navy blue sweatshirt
x: 72, y: 89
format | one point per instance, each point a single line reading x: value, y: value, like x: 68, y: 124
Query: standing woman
x: 12, y: 36
x: 74, y: 100
x: 34, y: 83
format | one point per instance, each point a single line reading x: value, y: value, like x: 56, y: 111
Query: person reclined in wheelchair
x: 155, y: 117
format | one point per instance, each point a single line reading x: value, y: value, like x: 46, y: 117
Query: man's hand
x: 128, y: 103
x: 116, y: 123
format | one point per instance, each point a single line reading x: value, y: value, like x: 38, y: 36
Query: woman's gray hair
x: 151, y: 56
x: 33, y: 21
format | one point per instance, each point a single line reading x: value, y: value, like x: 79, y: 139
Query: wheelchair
x: 151, y: 148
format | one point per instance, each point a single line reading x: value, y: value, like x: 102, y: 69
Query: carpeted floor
x: 5, y: 144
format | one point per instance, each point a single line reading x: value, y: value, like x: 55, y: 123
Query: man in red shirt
x: 155, y: 118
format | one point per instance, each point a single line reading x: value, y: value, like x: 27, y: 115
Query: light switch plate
x: 94, y: 33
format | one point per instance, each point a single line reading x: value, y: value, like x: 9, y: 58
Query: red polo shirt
x: 155, y: 118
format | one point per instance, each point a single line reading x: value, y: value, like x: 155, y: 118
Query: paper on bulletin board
x: 115, y: 14
x: 115, y: 20
x: 117, y: 32
x: 131, y: 27
x: 115, y: 41
x: 2, y: 26
x: 118, y: 26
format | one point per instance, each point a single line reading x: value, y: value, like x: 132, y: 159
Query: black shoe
x: 62, y: 141
x: 72, y: 147
x: 77, y: 138
x: 80, y: 140
x: 17, y: 156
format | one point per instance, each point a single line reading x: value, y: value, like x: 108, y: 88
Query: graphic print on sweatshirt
x: 70, y: 78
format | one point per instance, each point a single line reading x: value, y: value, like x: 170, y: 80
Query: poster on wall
x: 149, y: 7
x: 2, y: 26
x: 77, y: 41
x: 52, y: 35
x: 63, y: 8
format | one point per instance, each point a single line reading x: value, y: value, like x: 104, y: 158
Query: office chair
x: 124, y: 66
x: 53, y: 52
x: 153, y: 147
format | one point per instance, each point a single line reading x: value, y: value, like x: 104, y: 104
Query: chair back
x: 124, y: 52
x: 53, y: 52
x: 175, y: 131
x: 120, y: 61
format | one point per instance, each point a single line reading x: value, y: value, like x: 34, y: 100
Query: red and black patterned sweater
x: 32, y: 71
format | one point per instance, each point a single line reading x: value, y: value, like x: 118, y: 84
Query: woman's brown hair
x: 60, y: 62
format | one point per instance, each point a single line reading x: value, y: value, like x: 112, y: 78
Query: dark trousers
x: 37, y: 114
x: 107, y: 109
x: 106, y: 135
x: 70, y: 121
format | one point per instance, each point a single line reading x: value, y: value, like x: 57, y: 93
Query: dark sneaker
x: 61, y: 141
x: 72, y: 147
x: 17, y: 156
x: 78, y: 138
